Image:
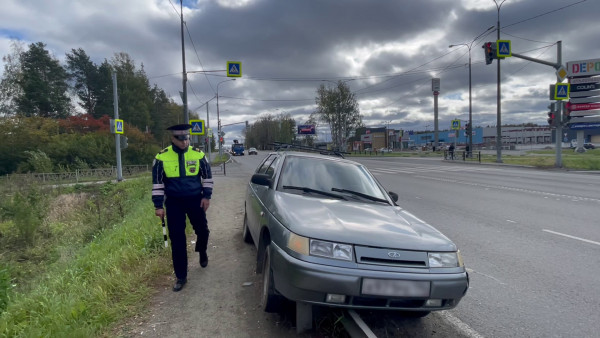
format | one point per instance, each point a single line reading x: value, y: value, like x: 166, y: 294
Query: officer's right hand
x: 160, y: 213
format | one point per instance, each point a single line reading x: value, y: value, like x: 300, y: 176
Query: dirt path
x: 214, y: 302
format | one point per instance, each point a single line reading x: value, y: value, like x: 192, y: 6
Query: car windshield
x: 329, y: 175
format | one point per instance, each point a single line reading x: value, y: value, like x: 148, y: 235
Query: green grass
x: 590, y: 160
x: 94, y: 277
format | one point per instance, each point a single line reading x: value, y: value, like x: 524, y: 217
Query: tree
x: 104, y: 91
x: 338, y: 107
x: 269, y: 129
x: 84, y: 76
x: 9, y: 85
x: 135, y: 100
x: 44, y: 84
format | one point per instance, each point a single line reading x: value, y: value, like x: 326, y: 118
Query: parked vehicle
x: 385, y: 150
x: 589, y: 146
x: 252, y: 151
x: 328, y: 233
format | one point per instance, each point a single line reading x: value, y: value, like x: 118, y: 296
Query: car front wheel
x: 269, y: 301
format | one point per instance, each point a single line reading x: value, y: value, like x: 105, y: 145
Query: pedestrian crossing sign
x: 234, y: 69
x: 503, y: 48
x: 561, y: 91
x: 197, y: 127
x: 119, y: 129
x: 455, y: 124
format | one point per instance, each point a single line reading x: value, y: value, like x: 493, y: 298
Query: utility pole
x: 117, y: 136
x: 186, y: 116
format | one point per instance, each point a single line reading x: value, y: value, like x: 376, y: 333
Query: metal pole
x: 499, y: 109
x: 435, y: 120
x: 219, y: 118
x: 469, y: 130
x: 117, y: 136
x: 559, y: 135
x: 186, y: 116
x: 208, y: 137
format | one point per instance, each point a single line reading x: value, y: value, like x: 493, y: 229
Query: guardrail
x: 464, y: 155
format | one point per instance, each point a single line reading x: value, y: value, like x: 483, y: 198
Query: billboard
x: 306, y: 129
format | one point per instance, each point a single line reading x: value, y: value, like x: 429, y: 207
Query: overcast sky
x: 388, y: 50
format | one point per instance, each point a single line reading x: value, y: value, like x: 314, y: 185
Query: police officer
x: 182, y: 182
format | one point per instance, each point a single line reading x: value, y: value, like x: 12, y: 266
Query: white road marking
x: 572, y: 237
x: 488, y: 276
x: 510, y: 221
x: 459, y: 324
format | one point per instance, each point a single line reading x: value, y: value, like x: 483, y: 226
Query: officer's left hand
x: 204, y: 204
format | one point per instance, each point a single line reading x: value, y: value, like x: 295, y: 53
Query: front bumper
x: 303, y: 281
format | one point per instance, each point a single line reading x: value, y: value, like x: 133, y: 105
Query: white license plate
x: 397, y: 288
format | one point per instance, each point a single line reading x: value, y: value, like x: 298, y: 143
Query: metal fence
x: 14, y: 182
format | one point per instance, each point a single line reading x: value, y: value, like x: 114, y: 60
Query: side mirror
x: 261, y: 179
x: 394, y: 196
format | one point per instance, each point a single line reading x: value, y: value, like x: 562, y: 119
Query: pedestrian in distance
x: 182, y: 182
x: 451, y: 151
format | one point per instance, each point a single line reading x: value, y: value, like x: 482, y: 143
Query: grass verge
x: 105, y: 277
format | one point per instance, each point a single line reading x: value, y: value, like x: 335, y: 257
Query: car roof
x: 285, y: 153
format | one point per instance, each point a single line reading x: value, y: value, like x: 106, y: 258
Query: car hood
x: 368, y: 224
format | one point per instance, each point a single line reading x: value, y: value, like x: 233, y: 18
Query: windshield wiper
x: 306, y: 189
x: 369, y: 197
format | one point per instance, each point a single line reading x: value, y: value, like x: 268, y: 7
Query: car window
x: 266, y: 163
x: 271, y: 168
x: 324, y: 174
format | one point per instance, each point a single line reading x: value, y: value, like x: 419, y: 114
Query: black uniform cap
x: 180, y: 129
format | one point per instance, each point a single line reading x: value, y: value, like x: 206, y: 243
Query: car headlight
x: 320, y: 248
x: 331, y: 250
x: 445, y: 259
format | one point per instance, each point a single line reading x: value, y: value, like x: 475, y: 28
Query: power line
x: 546, y: 13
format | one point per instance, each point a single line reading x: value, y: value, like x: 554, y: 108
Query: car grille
x: 391, y: 257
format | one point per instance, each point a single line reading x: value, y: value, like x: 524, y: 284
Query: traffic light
x: 124, y: 140
x: 221, y: 140
x: 551, y: 118
x: 566, y: 115
x: 489, y: 49
x: 552, y: 115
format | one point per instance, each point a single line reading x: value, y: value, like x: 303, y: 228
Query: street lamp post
x: 219, y: 118
x: 469, y: 130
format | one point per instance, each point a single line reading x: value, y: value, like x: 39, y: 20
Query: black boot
x: 203, y: 259
x: 179, y: 284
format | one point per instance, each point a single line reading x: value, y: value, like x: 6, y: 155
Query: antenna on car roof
x: 288, y: 146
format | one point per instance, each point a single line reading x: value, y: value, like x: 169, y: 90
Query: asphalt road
x: 530, y: 240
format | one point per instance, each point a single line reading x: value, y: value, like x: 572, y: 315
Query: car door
x: 257, y: 194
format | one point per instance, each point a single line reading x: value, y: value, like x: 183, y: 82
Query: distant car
x: 252, y: 151
x: 589, y: 146
x: 385, y: 150
x: 328, y: 233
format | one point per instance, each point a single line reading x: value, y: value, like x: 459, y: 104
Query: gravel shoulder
x: 217, y: 300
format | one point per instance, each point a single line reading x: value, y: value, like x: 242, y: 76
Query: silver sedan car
x: 327, y: 233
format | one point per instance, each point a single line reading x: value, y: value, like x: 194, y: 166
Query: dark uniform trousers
x: 177, y: 208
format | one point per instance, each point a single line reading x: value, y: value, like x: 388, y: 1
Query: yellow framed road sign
x: 119, y: 128
x: 234, y: 69
x: 197, y: 127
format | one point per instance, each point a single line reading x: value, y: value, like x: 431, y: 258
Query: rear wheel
x: 270, y: 302
x: 245, y: 231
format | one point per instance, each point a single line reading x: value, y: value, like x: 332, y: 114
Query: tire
x: 245, y: 231
x: 269, y: 301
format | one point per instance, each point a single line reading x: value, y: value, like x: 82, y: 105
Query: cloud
x: 391, y: 51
